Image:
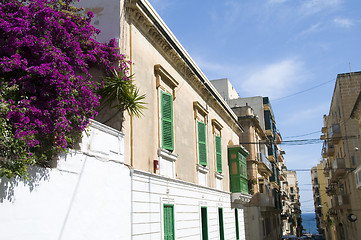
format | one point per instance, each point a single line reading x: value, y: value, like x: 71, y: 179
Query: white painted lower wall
x: 91, y: 194
x: 87, y: 196
x: 150, y: 192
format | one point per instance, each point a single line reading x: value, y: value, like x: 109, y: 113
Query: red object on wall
x: 156, y: 165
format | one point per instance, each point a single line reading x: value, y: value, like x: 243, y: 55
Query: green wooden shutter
x: 167, y: 121
x: 202, y: 146
x: 218, y: 154
x: 204, y: 219
x: 237, y: 224
x: 168, y: 213
x: 221, y: 225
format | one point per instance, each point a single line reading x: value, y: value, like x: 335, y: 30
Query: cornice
x: 145, y: 18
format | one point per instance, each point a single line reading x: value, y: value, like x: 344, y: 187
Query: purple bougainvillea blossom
x: 46, y: 50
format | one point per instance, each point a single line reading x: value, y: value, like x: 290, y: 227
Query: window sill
x: 219, y: 176
x: 202, y: 169
x: 167, y: 155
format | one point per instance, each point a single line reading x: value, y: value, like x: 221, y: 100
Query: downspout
x: 131, y: 131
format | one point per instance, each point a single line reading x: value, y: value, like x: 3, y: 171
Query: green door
x: 204, y: 219
x: 168, y: 213
x: 221, y: 225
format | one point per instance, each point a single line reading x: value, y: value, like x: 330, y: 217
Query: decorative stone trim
x: 240, y: 198
x: 166, y: 77
x: 202, y: 169
x: 144, y: 17
x: 167, y: 155
x: 199, y: 110
x: 219, y: 176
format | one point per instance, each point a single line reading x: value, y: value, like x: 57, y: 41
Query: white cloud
x: 276, y: 1
x: 312, y: 29
x: 273, y: 80
x: 307, y: 115
x: 314, y: 6
x: 343, y: 22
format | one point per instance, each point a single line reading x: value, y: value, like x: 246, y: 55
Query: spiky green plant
x: 119, y: 91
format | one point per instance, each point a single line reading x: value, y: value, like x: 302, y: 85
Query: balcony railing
x: 264, y: 164
x: 338, y: 169
x: 335, y: 133
x: 330, y: 149
x: 331, y: 190
x: 343, y: 201
x: 265, y: 200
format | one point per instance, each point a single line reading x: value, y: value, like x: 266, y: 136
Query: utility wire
x: 306, y: 90
x: 306, y: 134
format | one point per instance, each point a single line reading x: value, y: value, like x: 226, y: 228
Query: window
x: 168, y: 218
x: 237, y: 223
x: 167, y: 121
x: 202, y: 145
x: 238, y: 169
x: 204, y: 219
x: 218, y: 147
x: 221, y: 225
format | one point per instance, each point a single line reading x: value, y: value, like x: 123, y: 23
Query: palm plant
x: 118, y: 91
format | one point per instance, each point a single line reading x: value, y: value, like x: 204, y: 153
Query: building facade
x: 292, y: 205
x: 182, y: 173
x: 341, y: 152
x: 321, y: 200
x: 265, y: 164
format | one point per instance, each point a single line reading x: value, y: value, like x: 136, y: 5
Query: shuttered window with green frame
x: 167, y: 121
x: 202, y: 145
x: 168, y: 218
x: 218, y: 153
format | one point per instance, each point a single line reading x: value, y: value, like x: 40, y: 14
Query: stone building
x: 321, y: 200
x: 262, y: 140
x: 341, y: 152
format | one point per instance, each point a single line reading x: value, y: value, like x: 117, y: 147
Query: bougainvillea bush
x: 47, y: 95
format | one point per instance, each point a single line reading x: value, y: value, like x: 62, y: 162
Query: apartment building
x: 341, y: 152
x: 294, y: 200
x: 261, y: 139
x: 321, y: 200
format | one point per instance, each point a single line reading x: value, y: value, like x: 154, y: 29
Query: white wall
x: 151, y: 191
x: 87, y: 196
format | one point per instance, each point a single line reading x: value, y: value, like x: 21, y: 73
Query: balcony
x: 264, y: 165
x: 326, y: 170
x: 324, y: 150
x: 330, y: 149
x: 335, y: 133
x: 338, y: 169
x: 343, y: 201
x: 280, y: 158
x: 324, y: 130
x: 331, y: 190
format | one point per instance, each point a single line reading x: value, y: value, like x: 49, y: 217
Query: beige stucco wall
x: 142, y: 135
x: 146, y: 137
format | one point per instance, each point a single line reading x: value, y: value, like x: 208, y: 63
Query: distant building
x: 319, y: 183
x: 265, y: 162
x: 291, y: 213
x: 343, y: 159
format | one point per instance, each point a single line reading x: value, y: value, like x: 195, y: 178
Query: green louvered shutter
x: 202, y: 146
x: 168, y: 213
x: 218, y: 154
x: 167, y: 121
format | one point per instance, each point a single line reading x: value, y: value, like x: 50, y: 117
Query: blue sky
x: 275, y: 48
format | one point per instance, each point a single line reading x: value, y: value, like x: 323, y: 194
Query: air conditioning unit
x: 358, y: 177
